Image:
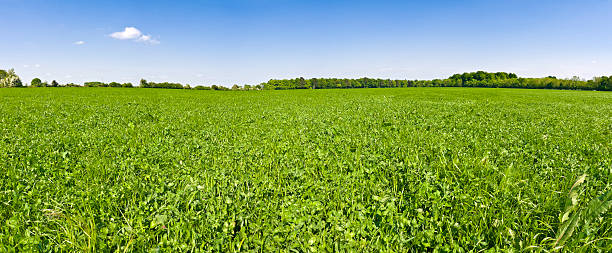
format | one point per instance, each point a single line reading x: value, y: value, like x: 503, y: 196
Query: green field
x: 402, y: 169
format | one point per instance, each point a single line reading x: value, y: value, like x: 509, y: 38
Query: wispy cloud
x: 78, y: 43
x: 148, y: 39
x: 132, y: 33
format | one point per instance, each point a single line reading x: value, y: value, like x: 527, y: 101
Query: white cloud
x: 80, y: 42
x: 145, y: 38
x: 129, y: 33
x: 132, y: 33
x: 37, y: 65
x: 26, y: 65
x: 148, y: 39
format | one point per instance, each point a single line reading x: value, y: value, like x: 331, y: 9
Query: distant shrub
x: 95, y: 84
x: 114, y: 84
x: 200, y: 87
x: 164, y: 85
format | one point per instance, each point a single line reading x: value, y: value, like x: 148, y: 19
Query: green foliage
x: 3, y: 74
x: 473, y: 79
x: 36, y: 82
x: 54, y: 83
x: 364, y: 170
x: 164, y: 85
x: 114, y: 84
x: 578, y: 217
x: 216, y: 87
x: 95, y: 84
x: 602, y: 83
x: 481, y: 76
x: 200, y: 87
x: 9, y: 79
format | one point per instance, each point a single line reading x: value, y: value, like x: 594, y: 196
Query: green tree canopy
x: 3, y: 74
x: 36, y: 82
x: 144, y: 83
x: 10, y: 79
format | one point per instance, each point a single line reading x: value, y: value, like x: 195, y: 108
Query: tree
x: 54, y: 83
x: 604, y: 83
x: 235, y: 87
x: 3, y: 74
x: 200, y: 87
x: 143, y: 83
x: 127, y: 85
x: 16, y: 83
x: 36, y: 82
x: 95, y: 84
x: 314, y: 82
x: 114, y: 84
x: 164, y: 85
x: 11, y: 79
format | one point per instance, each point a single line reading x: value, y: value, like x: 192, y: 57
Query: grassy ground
x: 103, y: 169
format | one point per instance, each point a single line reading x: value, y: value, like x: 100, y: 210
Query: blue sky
x: 251, y: 41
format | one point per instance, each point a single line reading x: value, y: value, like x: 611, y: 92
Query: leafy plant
x: 576, y: 216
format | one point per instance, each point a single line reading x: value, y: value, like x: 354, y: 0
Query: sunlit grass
x: 453, y: 169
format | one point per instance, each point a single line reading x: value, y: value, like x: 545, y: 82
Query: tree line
x: 471, y: 79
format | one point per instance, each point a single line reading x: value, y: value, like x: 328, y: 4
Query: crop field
x: 399, y: 169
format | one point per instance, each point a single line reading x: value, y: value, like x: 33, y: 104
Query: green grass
x: 452, y: 169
